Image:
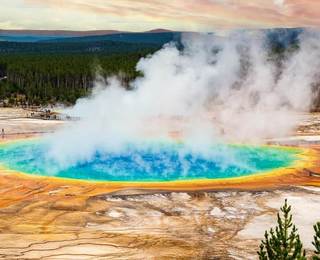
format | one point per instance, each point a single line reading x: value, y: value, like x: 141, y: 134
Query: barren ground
x: 40, y: 220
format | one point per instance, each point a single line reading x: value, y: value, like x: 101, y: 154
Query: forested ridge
x: 62, y: 70
x: 39, y: 79
x: 141, y: 38
x: 105, y: 47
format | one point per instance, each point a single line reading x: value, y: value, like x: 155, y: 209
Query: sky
x: 142, y: 15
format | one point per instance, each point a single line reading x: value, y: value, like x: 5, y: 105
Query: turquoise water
x: 152, y: 162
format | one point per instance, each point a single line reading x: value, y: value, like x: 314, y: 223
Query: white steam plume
x: 226, y: 88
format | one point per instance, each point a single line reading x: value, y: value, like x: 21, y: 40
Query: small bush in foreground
x: 316, y: 241
x: 283, y: 242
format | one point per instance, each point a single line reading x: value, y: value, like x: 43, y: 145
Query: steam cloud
x: 229, y: 89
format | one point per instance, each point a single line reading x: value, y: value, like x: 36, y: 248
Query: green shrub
x: 283, y: 242
x: 316, y: 241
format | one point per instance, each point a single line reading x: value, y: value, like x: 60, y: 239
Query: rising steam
x: 230, y: 89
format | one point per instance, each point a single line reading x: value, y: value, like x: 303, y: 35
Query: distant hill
x: 280, y: 37
x: 106, y: 47
x: 43, y: 35
x: 114, y: 41
x: 66, y: 42
x: 28, y: 38
x: 158, y: 31
x: 149, y: 37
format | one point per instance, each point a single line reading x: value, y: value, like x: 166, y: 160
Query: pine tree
x: 283, y: 242
x: 316, y: 241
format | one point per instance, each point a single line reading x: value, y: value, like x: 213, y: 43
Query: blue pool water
x: 154, y: 162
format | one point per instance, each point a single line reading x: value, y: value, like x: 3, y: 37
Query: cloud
x: 279, y: 3
x: 203, y: 15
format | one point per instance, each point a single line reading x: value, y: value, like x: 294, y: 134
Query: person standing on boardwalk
x: 2, y: 133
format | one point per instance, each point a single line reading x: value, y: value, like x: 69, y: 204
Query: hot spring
x: 214, y: 90
x: 150, y: 162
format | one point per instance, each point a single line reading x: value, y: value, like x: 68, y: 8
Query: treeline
x: 38, y: 79
x: 105, y: 47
